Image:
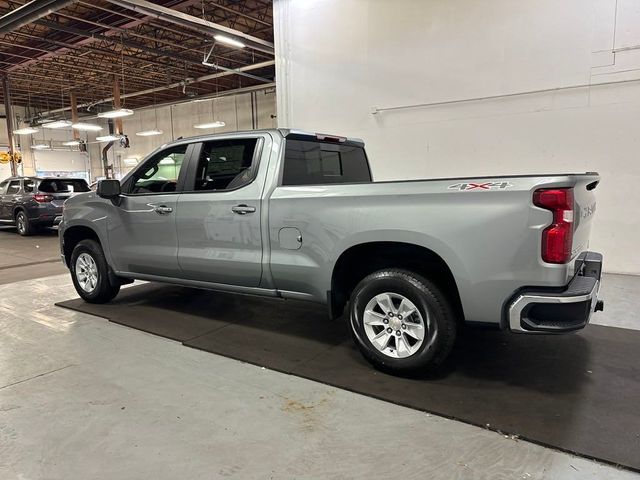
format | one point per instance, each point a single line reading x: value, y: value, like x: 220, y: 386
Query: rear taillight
x: 40, y: 198
x: 557, y: 238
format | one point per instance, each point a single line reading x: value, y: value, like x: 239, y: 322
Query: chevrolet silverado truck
x: 294, y: 215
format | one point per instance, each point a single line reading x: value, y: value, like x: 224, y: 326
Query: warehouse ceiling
x: 156, y: 54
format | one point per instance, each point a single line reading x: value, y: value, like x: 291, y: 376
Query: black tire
x: 23, y: 224
x: 427, y: 298
x: 104, y: 291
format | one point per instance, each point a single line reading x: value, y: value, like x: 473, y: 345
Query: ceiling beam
x: 196, y: 23
x: 90, y: 39
x: 183, y: 83
x: 29, y: 13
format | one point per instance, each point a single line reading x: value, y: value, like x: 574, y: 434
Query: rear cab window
x: 226, y: 164
x: 310, y: 161
x: 63, y: 185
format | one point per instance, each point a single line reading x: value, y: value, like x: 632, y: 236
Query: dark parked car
x: 31, y: 203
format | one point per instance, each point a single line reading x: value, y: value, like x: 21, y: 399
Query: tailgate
x: 585, y: 207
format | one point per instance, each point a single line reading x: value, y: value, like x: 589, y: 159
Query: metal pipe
x: 29, y: 13
x: 226, y: 93
x: 199, y: 24
x: 376, y: 110
x: 8, y: 111
x: 117, y: 103
x: 105, y: 150
x: 170, y: 86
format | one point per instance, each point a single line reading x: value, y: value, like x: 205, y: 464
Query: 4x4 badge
x: 480, y: 186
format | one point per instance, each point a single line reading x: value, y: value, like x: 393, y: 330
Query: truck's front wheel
x: 90, y: 273
x: 401, y: 322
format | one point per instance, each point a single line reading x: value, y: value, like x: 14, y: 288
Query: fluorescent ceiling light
x: 167, y: 161
x: 57, y: 124
x: 148, y: 133
x: 210, y: 125
x: 87, y: 127
x: 71, y: 143
x: 122, y: 112
x: 25, y: 131
x: 229, y: 41
x: 107, y: 138
x: 199, y: 100
x: 41, y: 146
x: 131, y: 161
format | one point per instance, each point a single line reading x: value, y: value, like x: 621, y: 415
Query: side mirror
x: 109, y: 189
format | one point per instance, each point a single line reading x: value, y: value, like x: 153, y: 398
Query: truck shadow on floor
x: 555, y: 390
x: 285, y: 334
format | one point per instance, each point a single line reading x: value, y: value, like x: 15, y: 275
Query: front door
x: 142, y: 227
x: 218, y: 219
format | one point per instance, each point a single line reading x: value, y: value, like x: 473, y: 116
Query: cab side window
x: 226, y: 164
x: 3, y: 187
x: 159, y: 174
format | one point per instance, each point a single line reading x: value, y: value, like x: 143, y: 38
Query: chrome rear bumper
x: 537, y: 311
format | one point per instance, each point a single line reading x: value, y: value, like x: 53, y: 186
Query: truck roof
x: 285, y: 132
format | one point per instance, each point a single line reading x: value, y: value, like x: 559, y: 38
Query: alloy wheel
x: 21, y: 222
x: 86, y: 272
x: 395, y: 326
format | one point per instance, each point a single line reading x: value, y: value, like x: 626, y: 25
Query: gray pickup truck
x: 289, y: 214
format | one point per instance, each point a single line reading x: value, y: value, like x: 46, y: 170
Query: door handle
x: 162, y: 209
x: 243, y: 209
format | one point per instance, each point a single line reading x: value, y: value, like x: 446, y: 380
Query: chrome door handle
x: 162, y: 209
x: 243, y: 209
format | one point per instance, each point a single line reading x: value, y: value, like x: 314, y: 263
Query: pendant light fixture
x: 86, y: 127
x: 119, y: 113
x: 215, y: 123
x: 26, y: 131
x: 153, y: 131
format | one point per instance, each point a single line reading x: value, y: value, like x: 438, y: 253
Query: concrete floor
x: 82, y: 398
x: 24, y: 258
x: 17, y: 250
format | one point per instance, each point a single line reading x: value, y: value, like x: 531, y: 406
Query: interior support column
x: 9, y: 114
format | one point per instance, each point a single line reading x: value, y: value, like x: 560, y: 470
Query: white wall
x: 336, y: 59
x: 61, y: 161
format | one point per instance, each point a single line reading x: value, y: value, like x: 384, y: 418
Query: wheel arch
x: 18, y: 209
x: 360, y: 260
x: 74, y: 235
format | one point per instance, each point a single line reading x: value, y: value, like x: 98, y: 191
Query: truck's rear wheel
x: 402, y: 322
x: 90, y: 273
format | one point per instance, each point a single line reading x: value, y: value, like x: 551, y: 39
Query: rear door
x: 219, y: 214
x: 3, y: 189
x: 10, y: 199
x: 142, y: 227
